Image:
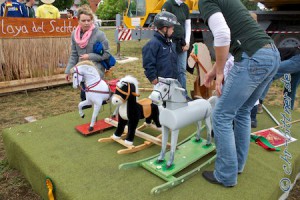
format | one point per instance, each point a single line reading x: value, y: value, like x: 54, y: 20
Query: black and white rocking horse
x: 131, y: 110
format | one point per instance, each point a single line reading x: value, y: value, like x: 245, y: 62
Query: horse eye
x: 165, y: 89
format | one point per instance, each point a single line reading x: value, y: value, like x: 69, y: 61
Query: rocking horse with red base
x: 97, y: 92
x: 130, y: 111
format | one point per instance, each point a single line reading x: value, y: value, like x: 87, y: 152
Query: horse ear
x: 179, y: 88
x: 124, y: 83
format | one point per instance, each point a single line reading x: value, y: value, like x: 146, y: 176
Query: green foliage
x: 110, y: 8
x: 83, y: 2
x: 249, y: 4
x: 61, y: 4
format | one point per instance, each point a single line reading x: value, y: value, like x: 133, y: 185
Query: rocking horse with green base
x: 177, y: 114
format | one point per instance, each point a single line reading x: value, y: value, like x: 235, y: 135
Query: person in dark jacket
x: 159, y: 54
x: 29, y: 7
x: 14, y: 9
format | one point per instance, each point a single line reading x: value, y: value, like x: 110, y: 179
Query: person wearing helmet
x: 159, y: 54
x: 181, y: 36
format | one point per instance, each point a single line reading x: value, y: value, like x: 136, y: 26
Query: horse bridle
x: 127, y: 94
x: 162, y: 97
x: 88, y: 88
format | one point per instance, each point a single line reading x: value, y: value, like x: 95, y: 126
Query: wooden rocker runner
x: 188, y: 151
x: 150, y: 140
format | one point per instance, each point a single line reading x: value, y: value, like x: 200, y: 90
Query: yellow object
x: 47, y: 11
x: 50, y: 187
x: 141, y: 12
x: 8, y: 4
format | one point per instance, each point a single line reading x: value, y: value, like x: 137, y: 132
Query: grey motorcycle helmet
x: 165, y: 19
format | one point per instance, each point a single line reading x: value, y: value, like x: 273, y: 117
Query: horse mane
x: 176, y: 82
x: 86, y: 63
x: 131, y: 79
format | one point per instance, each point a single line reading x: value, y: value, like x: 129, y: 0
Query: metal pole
x: 118, y: 25
x: 274, y: 119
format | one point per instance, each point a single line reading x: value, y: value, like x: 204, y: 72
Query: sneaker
x: 128, y: 142
x: 115, y: 137
x: 260, y: 109
x: 253, y: 124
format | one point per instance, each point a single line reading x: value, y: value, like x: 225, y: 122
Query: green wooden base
x: 187, y: 152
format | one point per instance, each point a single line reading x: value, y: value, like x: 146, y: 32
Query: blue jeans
x: 290, y: 66
x: 181, y: 64
x: 242, y: 88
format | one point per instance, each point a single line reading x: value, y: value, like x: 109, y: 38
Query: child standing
x: 159, y: 54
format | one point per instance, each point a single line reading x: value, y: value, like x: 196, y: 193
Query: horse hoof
x: 91, y: 128
x: 169, y: 166
x: 159, y: 161
x: 198, y: 140
x: 82, y: 116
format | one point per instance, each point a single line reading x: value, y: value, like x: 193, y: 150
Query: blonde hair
x: 86, y: 10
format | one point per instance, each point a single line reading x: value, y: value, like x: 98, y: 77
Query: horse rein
x: 88, y: 88
x: 127, y: 94
x: 162, y: 97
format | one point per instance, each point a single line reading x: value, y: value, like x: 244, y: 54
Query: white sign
x: 135, y: 21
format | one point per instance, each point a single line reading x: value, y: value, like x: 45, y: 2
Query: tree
x: 249, y: 5
x: 110, y: 8
x: 62, y: 4
x: 83, y: 2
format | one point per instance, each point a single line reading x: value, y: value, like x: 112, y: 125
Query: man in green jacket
x: 29, y: 7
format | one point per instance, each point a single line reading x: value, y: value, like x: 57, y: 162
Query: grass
x: 47, y: 102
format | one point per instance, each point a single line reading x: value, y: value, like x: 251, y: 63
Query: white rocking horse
x: 179, y: 113
x: 96, y: 89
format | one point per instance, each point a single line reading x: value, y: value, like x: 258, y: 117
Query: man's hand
x: 186, y: 47
x: 219, y: 83
x: 155, y: 81
x: 68, y: 77
x: 209, y: 77
x: 84, y: 57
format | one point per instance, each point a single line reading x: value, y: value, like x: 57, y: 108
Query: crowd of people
x: 25, y: 8
x: 249, y: 53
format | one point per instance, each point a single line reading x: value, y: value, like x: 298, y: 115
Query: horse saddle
x: 146, y: 105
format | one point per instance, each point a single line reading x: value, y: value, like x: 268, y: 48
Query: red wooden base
x: 99, y: 127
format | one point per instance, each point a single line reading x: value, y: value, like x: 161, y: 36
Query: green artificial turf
x: 81, y: 168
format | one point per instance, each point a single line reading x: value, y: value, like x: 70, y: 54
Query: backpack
x: 108, y: 63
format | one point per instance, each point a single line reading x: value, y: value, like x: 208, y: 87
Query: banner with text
x: 33, y: 27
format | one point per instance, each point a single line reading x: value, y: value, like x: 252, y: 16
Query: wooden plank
x: 32, y: 83
x: 138, y: 133
x: 133, y: 149
x: 14, y: 28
